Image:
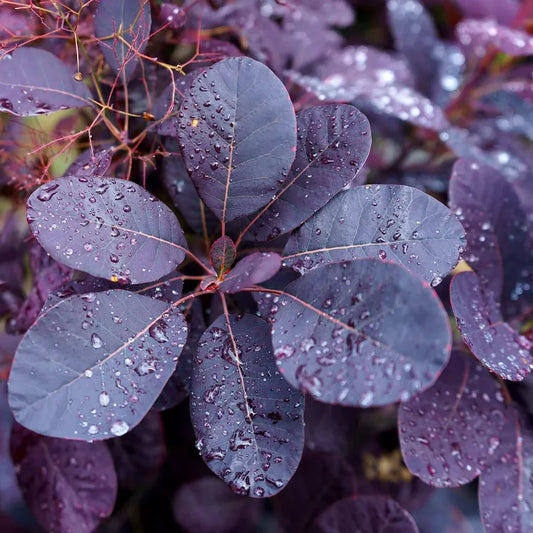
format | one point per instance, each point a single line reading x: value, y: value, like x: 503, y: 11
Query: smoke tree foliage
x: 266, y: 259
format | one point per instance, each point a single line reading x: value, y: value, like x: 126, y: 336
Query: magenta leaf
x: 92, y: 366
x: 36, y: 82
x: 237, y: 133
x: 249, y: 430
x: 333, y: 143
x: 366, y: 514
x: 68, y: 485
x: 494, y: 342
x: 393, y: 222
x: 363, y: 333
x: 450, y: 431
x: 108, y: 227
x: 505, y: 487
x: 478, y: 35
x: 139, y: 454
x: 503, y: 11
x: 253, y: 269
x: 222, y: 254
x: 122, y: 28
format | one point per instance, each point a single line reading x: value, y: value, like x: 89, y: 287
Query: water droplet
x: 96, y: 341
x: 119, y: 428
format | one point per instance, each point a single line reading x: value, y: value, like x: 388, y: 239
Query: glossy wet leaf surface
x: 389, y: 222
x: 92, y: 162
x: 365, y: 514
x: 107, y: 227
x: 222, y: 254
x: 68, y: 485
x: 247, y: 419
x: 492, y: 340
x: 253, y: 269
x: 506, y: 487
x: 364, y: 333
x: 450, y: 432
x: 333, y: 143
x: 237, y: 132
x: 92, y: 366
x: 123, y: 28
x: 36, y: 82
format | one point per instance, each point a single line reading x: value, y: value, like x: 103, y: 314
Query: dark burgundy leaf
x: 36, y: 82
x: 249, y: 429
x: 222, y: 254
x: 499, y: 248
x: 207, y: 505
x: 185, y: 197
x: 139, y: 454
x: 92, y: 163
x: 333, y: 144
x: 179, y: 384
x: 123, y: 29
x: 365, y: 514
x: 449, y: 432
x: 92, y: 366
x: 506, y: 487
x: 415, y: 36
x: 478, y: 35
x: 237, y: 132
x: 253, y: 269
x: 392, y: 222
x: 494, y: 342
x: 321, y: 480
x: 108, y: 227
x: 364, y: 333
x: 68, y: 485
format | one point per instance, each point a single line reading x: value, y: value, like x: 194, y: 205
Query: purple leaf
x: 237, y: 132
x: 393, y: 222
x: 503, y: 11
x: 415, y: 37
x: 123, y: 29
x: 363, y: 333
x: 496, y: 229
x: 68, y: 485
x: 36, y: 82
x: 207, y: 505
x: 478, y: 35
x: 448, y: 432
x: 179, y: 384
x: 494, y: 342
x: 15, y: 22
x: 173, y: 16
x: 92, y: 163
x: 333, y: 144
x: 249, y: 430
x: 253, y: 269
x: 92, y: 366
x: 108, y: 227
x: 222, y: 254
x: 185, y: 197
x: 139, y: 454
x: 365, y: 514
x: 505, y: 487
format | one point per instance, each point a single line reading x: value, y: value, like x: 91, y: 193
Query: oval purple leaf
x: 249, y: 429
x: 237, y: 132
x: 68, y: 485
x: 448, y: 432
x: 253, y: 269
x: 36, y: 82
x: 506, y: 487
x: 122, y: 28
x: 92, y: 162
x: 92, y: 366
x: 494, y: 342
x: 364, y: 333
x: 106, y: 227
x: 333, y: 144
x: 365, y: 514
x: 222, y: 254
x: 393, y: 222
